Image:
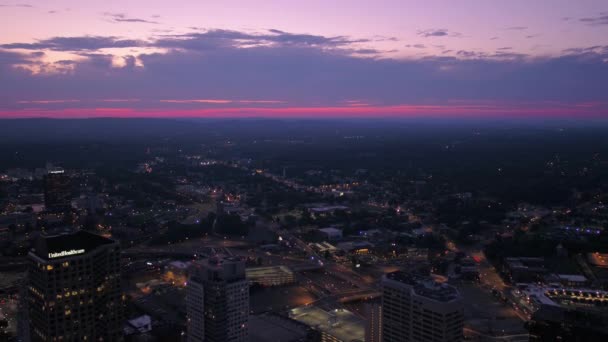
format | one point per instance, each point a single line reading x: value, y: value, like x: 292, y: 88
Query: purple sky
x: 73, y: 58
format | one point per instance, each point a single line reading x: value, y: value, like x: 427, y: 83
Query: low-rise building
x: 330, y: 234
x: 270, y: 276
x: 334, y: 326
x: 272, y: 327
x: 524, y: 270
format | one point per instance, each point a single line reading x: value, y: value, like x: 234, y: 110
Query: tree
x: 232, y: 225
x: 290, y: 221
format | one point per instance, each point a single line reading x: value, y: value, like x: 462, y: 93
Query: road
x: 471, y: 334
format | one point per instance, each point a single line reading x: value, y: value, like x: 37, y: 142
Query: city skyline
x: 271, y: 59
x: 303, y: 230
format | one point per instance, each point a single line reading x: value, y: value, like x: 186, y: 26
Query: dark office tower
x: 73, y: 289
x: 218, y: 301
x: 555, y: 323
x: 373, y: 326
x: 57, y: 191
x: 416, y: 308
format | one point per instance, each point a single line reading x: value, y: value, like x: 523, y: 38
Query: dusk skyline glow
x: 69, y: 59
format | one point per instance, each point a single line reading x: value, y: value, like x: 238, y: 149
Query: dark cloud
x: 76, y: 43
x: 438, y: 33
x: 501, y: 54
x: 506, y: 55
x: 516, y: 28
x: 602, y: 19
x: 494, y: 38
x: 212, y: 39
x: 367, y: 51
x: 207, y: 40
x: 10, y: 58
x: 433, y: 33
x: 590, y: 50
x: 505, y: 48
x: 66, y: 62
x: 299, y: 69
x: 123, y: 18
x: 470, y: 54
x: 378, y: 38
x: 416, y: 46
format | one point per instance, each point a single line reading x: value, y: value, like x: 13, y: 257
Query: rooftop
x: 588, y: 320
x: 598, y: 259
x: 572, y: 277
x: 342, y: 324
x: 273, y: 327
x: 425, y: 286
x: 257, y: 272
x: 64, y: 245
x: 331, y: 230
x: 219, y: 268
x: 142, y: 323
x: 566, y: 297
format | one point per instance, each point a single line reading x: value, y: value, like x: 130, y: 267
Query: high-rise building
x: 373, y: 328
x: 220, y: 286
x: 195, y: 306
x: 57, y: 191
x: 73, y: 289
x: 417, y: 308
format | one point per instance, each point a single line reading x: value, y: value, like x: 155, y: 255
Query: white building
x: 416, y: 308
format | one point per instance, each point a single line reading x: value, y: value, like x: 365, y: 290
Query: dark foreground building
x: 218, y: 301
x: 554, y: 323
x: 73, y: 289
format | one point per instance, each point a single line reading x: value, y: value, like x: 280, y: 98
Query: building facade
x: 416, y: 308
x: 219, y: 283
x: 554, y: 323
x: 373, y: 327
x: 57, y: 191
x: 73, y: 289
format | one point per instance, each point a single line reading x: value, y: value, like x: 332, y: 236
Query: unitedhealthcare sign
x: 66, y: 253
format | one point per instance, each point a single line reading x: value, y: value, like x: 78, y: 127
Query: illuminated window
x: 49, y: 267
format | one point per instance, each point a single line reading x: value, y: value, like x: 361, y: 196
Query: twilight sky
x: 313, y: 58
